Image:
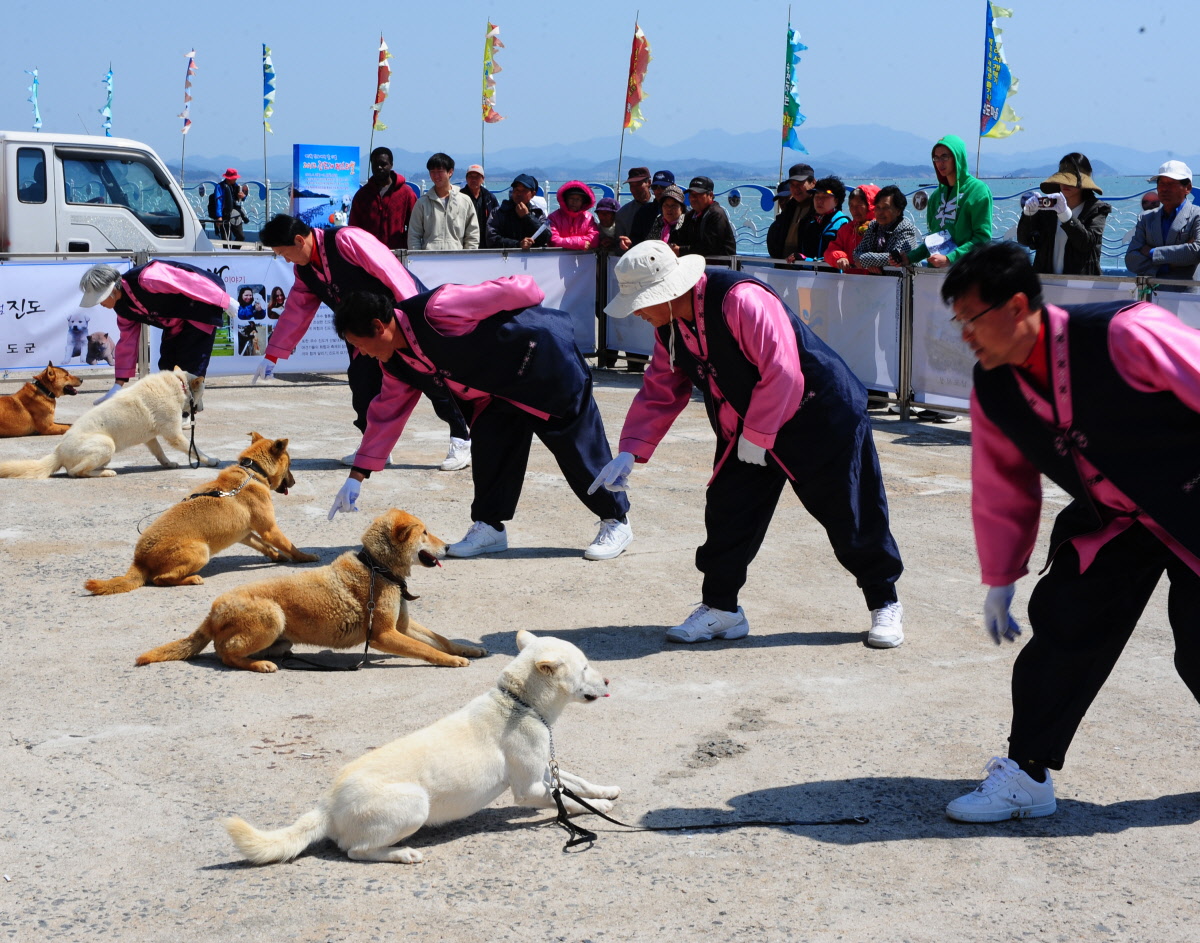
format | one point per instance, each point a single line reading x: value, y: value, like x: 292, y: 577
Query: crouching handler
x: 514, y: 369
x: 186, y: 302
x: 785, y: 408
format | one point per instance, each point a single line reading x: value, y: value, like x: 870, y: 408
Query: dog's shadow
x: 904, y: 808
x: 621, y: 642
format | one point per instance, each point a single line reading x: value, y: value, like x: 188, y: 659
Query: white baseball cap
x: 1175, y: 169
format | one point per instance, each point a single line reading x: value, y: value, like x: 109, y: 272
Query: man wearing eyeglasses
x: 959, y: 214
x: 1103, y: 400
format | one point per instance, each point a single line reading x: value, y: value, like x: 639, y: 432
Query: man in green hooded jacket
x: 960, y: 210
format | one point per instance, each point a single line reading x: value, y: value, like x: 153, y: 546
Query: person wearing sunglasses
x: 1104, y: 400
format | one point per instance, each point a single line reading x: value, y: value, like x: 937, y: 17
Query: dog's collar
x: 252, y: 466
x: 42, y: 388
x: 365, y: 558
x: 529, y: 707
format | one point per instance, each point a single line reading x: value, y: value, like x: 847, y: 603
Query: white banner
x: 567, y: 278
x: 41, y: 320
x: 857, y: 315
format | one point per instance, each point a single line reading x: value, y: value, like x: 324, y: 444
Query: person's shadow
x: 903, y: 808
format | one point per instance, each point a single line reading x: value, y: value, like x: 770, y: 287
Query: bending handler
x: 329, y: 265
x: 187, y: 303
x: 514, y: 367
x: 785, y: 408
x: 1103, y: 400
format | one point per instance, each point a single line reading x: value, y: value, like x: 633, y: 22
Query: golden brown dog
x: 30, y: 410
x: 329, y: 606
x: 236, y: 508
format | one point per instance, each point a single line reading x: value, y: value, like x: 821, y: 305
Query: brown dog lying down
x: 30, y: 410
x: 328, y: 606
x: 185, y: 536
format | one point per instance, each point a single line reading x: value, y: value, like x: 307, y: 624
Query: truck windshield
x: 126, y: 182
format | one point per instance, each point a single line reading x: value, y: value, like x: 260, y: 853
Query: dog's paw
x: 211, y: 462
x: 607, y: 792
x: 456, y: 662
x: 600, y: 805
x: 472, y: 652
x: 106, y: 473
x: 170, y: 464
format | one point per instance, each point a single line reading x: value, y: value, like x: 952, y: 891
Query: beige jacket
x: 434, y: 225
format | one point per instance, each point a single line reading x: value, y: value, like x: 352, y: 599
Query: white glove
x: 113, y: 390
x: 750, y: 453
x: 265, y: 371
x: 231, y: 309
x: 996, y: 616
x: 346, y: 496
x: 615, y: 475
x: 1030, y: 205
x: 1061, y: 208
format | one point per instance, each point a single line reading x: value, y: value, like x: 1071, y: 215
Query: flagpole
x: 786, y: 53
x: 621, y: 149
x: 266, y: 178
x: 182, y: 155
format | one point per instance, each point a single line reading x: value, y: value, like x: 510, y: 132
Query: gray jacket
x: 1180, y: 251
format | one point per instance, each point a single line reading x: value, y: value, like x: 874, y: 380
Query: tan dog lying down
x: 450, y: 769
x: 327, y: 606
x: 30, y: 410
x: 186, y: 535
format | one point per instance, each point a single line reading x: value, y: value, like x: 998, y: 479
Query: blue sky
x: 1094, y: 71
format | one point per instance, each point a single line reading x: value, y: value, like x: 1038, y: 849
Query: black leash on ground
x: 191, y: 414
x: 580, y: 835
x: 374, y: 567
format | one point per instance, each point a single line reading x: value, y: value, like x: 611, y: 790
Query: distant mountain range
x: 858, y: 152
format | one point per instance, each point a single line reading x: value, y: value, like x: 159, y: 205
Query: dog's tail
x: 31, y: 468
x: 283, y: 844
x: 134, y: 579
x: 182, y: 650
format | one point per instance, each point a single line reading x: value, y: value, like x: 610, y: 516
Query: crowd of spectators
x: 859, y: 231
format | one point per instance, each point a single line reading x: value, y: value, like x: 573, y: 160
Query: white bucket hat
x: 649, y: 274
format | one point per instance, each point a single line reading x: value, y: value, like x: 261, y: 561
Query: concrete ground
x: 117, y: 778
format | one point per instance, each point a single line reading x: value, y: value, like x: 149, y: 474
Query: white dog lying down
x: 137, y: 415
x: 452, y: 768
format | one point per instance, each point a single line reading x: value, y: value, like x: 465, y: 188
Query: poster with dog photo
x: 41, y: 321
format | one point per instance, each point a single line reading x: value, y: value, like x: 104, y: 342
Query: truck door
x: 31, y: 216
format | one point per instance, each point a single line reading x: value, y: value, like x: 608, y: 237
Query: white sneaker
x: 706, y: 624
x: 611, y: 541
x: 481, y: 538
x: 459, y: 455
x: 348, y: 460
x: 1008, y: 792
x: 887, y: 626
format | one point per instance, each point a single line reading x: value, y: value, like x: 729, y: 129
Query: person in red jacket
x: 382, y: 206
x: 840, y: 253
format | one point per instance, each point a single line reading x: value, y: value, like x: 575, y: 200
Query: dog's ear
x: 254, y: 437
x: 525, y: 637
x: 549, y: 664
x: 403, y: 529
x: 49, y: 364
x: 279, y: 446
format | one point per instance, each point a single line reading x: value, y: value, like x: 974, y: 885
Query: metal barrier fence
x: 892, y: 329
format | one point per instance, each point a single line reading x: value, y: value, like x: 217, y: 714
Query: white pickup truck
x: 63, y: 193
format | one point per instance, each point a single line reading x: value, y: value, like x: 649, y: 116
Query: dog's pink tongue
x: 437, y: 561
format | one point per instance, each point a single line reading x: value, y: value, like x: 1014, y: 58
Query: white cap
x: 1175, y: 169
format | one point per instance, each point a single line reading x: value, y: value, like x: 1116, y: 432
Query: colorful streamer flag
x: 33, y: 95
x: 106, y: 111
x: 998, y: 83
x: 639, y: 58
x: 792, y: 118
x: 187, y: 92
x: 268, y: 87
x: 490, y: 67
x: 383, y: 85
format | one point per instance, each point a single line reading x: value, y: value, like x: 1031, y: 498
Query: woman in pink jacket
x: 572, y: 225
